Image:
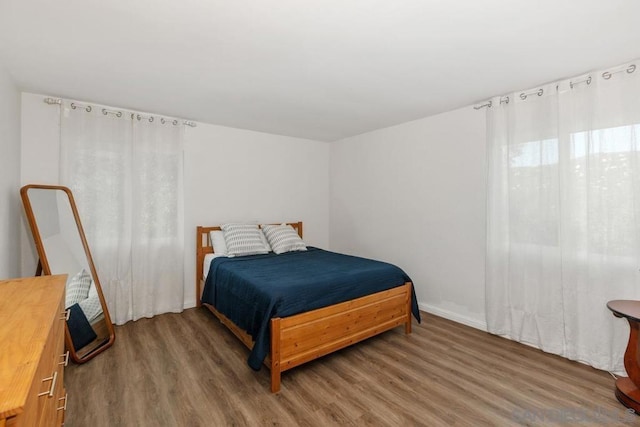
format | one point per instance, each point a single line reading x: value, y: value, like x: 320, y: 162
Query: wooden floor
x: 188, y: 370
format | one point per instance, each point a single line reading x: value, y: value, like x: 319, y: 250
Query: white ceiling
x: 322, y: 70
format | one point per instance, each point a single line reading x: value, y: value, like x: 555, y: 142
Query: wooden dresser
x: 32, y: 356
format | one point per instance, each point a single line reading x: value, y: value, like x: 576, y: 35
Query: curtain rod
x: 605, y: 75
x: 105, y: 111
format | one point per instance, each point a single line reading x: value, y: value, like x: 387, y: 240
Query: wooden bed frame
x: 307, y: 336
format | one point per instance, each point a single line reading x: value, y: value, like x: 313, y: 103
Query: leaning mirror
x: 62, y: 249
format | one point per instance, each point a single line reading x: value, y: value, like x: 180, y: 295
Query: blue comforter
x: 251, y: 290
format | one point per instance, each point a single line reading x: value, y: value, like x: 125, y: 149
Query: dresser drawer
x: 47, y: 386
x: 36, y: 357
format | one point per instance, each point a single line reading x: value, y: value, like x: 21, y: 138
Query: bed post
x: 275, y: 355
x: 199, y: 261
x: 407, y: 326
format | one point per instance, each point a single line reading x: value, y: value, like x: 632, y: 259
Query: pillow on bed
x: 218, y: 243
x: 283, y: 238
x: 243, y: 239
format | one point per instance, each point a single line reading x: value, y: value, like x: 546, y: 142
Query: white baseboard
x: 456, y: 317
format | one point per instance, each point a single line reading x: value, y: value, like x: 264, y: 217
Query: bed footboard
x: 307, y: 336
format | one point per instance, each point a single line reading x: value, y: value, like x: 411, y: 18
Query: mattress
x: 207, y: 264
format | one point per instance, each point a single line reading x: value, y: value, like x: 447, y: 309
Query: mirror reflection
x: 62, y: 249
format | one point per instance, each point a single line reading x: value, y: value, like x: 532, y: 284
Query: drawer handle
x: 63, y: 407
x: 53, y: 380
x: 65, y: 315
x: 66, y: 359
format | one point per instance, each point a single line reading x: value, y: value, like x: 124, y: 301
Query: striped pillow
x: 77, y: 288
x: 243, y: 239
x: 91, y: 307
x: 283, y: 238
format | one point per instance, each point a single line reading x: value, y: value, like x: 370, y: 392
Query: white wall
x: 234, y: 174
x: 414, y: 195
x: 230, y: 175
x: 10, y: 207
x: 39, y: 160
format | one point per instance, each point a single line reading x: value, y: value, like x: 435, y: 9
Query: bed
x: 293, y: 339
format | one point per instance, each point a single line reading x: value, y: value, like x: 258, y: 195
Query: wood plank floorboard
x: 188, y: 370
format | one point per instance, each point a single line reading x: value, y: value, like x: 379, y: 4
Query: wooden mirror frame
x: 43, y: 267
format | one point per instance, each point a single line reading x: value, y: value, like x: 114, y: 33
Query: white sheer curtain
x: 563, y: 215
x: 126, y: 176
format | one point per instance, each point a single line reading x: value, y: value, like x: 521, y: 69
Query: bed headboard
x: 203, y: 247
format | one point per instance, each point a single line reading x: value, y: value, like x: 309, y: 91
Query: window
x: 599, y: 176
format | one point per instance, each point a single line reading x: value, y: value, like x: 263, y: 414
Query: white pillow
x: 77, y: 288
x: 283, y: 238
x: 218, y: 243
x: 92, y: 290
x: 91, y: 307
x: 243, y: 239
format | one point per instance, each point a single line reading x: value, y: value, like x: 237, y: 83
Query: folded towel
x: 79, y: 327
